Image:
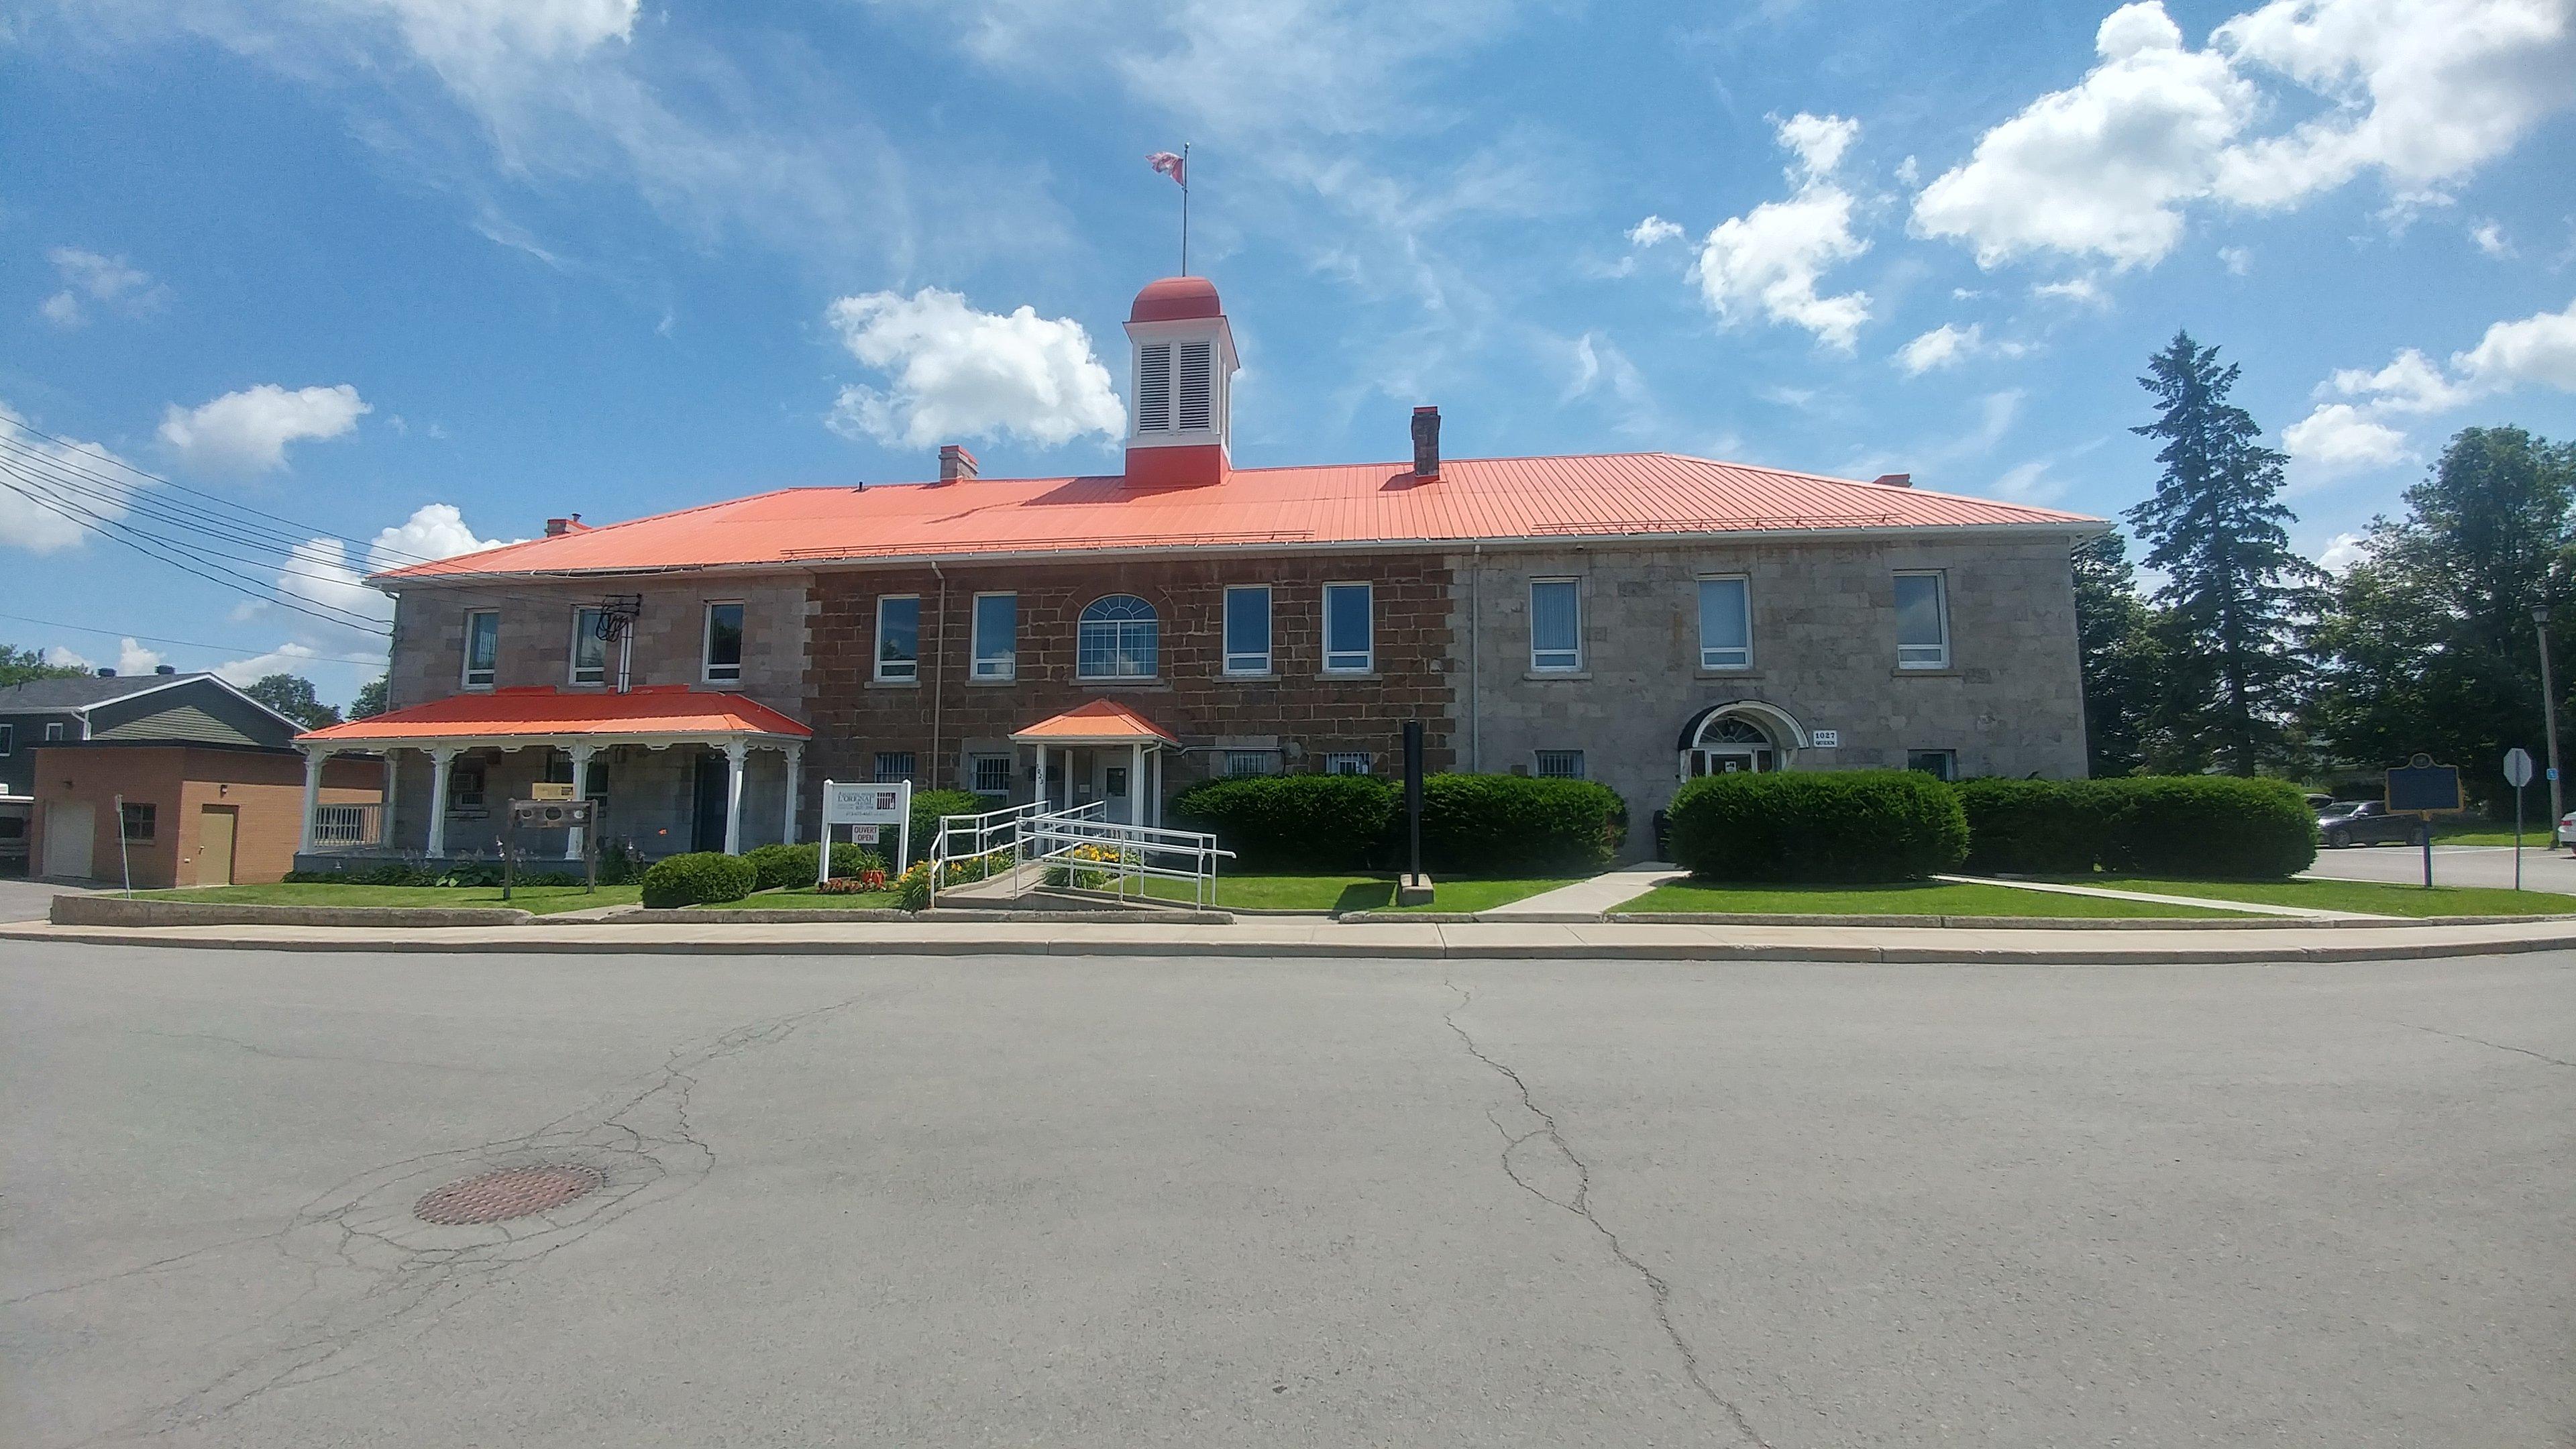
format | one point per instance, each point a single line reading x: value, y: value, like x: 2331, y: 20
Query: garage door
x: 71, y: 828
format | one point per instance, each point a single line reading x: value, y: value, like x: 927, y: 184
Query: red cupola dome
x: 1176, y: 299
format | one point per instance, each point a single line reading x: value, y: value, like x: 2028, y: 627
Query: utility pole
x: 2549, y: 716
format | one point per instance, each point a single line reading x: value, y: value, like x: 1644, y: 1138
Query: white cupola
x: 1180, y: 429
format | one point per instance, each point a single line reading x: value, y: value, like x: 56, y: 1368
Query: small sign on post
x: 2421, y: 788
x: 543, y: 813
x: 868, y: 809
x: 2517, y: 773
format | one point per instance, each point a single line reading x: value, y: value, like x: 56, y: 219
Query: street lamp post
x: 2549, y: 717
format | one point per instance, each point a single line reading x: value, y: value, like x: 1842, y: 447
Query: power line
x: 189, y: 643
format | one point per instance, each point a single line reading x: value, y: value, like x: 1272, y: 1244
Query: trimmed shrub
x: 1498, y: 825
x: 698, y: 878
x: 2037, y: 827
x: 793, y: 865
x: 1839, y: 825
x: 2215, y: 825
x: 927, y: 807
x: 1324, y: 822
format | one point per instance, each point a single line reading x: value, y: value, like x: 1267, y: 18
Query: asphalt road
x: 29, y: 900
x: 2453, y: 865
x: 966, y: 1202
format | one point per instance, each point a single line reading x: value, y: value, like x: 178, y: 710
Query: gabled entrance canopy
x: 1106, y: 724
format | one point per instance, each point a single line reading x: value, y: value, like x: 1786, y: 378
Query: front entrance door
x: 707, y: 824
x: 71, y: 828
x: 215, y: 830
x: 1113, y: 789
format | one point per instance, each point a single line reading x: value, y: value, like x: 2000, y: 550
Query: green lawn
x: 1903, y: 898
x: 2535, y: 832
x: 1291, y: 892
x: 541, y: 899
x: 806, y: 900
x: 2367, y: 897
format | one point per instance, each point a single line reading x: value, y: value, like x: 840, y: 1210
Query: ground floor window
x: 1939, y: 764
x: 1240, y: 763
x: 141, y: 821
x: 992, y: 774
x: 1346, y: 764
x: 893, y: 766
x: 465, y: 787
x: 1560, y: 764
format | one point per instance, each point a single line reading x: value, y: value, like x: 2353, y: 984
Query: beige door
x: 71, y: 828
x: 215, y: 844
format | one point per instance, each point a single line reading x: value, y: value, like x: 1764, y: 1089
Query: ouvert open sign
x: 867, y: 810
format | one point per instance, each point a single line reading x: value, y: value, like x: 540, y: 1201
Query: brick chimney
x: 1894, y: 480
x: 956, y: 465
x: 1426, y: 442
x: 558, y: 527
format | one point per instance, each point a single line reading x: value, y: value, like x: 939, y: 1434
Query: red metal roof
x: 1596, y: 495
x: 1092, y: 720
x: 1176, y: 299
x: 653, y: 709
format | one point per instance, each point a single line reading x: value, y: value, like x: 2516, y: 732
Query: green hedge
x: 927, y: 807
x: 698, y: 878
x: 2205, y: 825
x: 1502, y: 825
x: 1839, y: 825
x: 1323, y: 822
x: 793, y: 865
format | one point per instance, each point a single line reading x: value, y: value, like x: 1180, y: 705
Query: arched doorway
x: 1738, y: 737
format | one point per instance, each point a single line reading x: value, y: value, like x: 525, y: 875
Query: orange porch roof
x: 1096, y: 721
x: 545, y: 710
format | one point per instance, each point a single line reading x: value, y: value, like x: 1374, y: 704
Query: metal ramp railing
x: 1077, y: 847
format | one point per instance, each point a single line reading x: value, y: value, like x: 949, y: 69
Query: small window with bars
x: 992, y: 774
x: 1346, y: 764
x: 1560, y: 765
x: 1242, y: 763
x: 1154, y: 388
x: 893, y: 766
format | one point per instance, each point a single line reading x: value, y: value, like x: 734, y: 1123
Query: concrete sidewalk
x: 1292, y: 938
x: 1605, y: 892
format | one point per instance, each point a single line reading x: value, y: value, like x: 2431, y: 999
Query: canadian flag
x: 1173, y: 165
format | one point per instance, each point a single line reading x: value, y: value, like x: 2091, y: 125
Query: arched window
x: 1119, y: 638
x: 1734, y: 731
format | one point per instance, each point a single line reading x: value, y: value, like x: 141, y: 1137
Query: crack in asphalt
x: 2482, y: 1041
x: 1580, y: 1205
x: 361, y: 1233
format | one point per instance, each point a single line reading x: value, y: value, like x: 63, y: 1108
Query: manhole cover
x: 513, y: 1193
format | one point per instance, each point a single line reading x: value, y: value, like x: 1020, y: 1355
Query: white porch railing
x: 1091, y: 851
x: 348, y: 827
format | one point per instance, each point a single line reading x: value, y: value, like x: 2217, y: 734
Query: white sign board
x: 1827, y: 739
x: 867, y: 809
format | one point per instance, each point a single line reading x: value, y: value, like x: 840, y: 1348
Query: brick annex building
x: 1635, y: 619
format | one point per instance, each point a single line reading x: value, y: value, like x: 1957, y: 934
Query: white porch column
x: 314, y: 755
x: 1136, y: 784
x: 795, y: 788
x: 1154, y: 793
x: 733, y: 752
x: 581, y: 756
x: 441, y: 757
x: 385, y: 812
x: 1041, y: 795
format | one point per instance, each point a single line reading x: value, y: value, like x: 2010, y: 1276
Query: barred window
x: 1560, y: 764
x: 893, y: 765
x: 1346, y: 764
x: 992, y: 774
x: 1240, y: 763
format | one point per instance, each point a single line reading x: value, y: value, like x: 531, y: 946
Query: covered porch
x: 1100, y: 750
x: 673, y: 769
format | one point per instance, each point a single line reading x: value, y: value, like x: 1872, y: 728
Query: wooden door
x: 216, y: 826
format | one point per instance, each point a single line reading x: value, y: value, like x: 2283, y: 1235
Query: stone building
x: 1630, y: 618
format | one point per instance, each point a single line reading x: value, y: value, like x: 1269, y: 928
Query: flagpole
x: 1185, y: 208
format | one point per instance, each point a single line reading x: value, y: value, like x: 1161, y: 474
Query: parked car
x: 2367, y: 822
x: 2567, y: 828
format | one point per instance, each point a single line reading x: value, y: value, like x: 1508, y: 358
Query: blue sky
x: 407, y: 275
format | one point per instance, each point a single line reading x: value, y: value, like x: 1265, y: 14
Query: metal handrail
x: 1039, y: 836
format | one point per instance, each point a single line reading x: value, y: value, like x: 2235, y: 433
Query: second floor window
x: 482, y: 648
x: 1247, y: 629
x: 899, y: 637
x: 724, y: 643
x: 1119, y: 637
x: 1349, y: 638
x: 1725, y: 625
x: 997, y: 635
x: 589, y: 646
x: 1556, y: 625
x: 1922, y: 622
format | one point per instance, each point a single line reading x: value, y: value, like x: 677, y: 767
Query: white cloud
x: 2237, y: 260
x: 2029, y: 483
x: 2410, y: 383
x: 2491, y: 240
x: 2103, y: 168
x: 56, y: 474
x: 1652, y: 231
x: 2339, y: 438
x: 287, y: 658
x: 90, y: 277
x: 2538, y: 349
x: 1948, y: 345
x: 2341, y: 552
x: 2083, y: 291
x: 247, y: 431
x: 1770, y: 259
x: 1602, y: 370
x: 320, y: 572
x: 2424, y: 91
x: 956, y: 373
x: 131, y: 658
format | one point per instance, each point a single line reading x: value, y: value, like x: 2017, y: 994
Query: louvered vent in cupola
x: 1154, y: 388
x: 1196, y: 402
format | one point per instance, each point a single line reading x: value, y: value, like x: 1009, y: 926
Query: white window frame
x: 53, y: 733
x: 1941, y: 599
x: 1367, y: 655
x: 707, y: 665
x: 1247, y: 665
x: 1000, y: 668
x: 1948, y: 774
x: 975, y: 769
x: 572, y: 658
x: 896, y: 671
x: 8, y: 740
x: 1347, y: 762
x: 1562, y: 664
x: 1259, y: 763
x: 877, y: 766
x: 1699, y: 606
x: 1538, y: 764
x: 467, y: 671
x: 1088, y: 676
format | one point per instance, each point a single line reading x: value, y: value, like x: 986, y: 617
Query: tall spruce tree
x: 2217, y: 529
x: 2117, y: 648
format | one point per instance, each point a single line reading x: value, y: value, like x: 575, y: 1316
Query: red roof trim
x: 1095, y: 719
x: 659, y: 709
